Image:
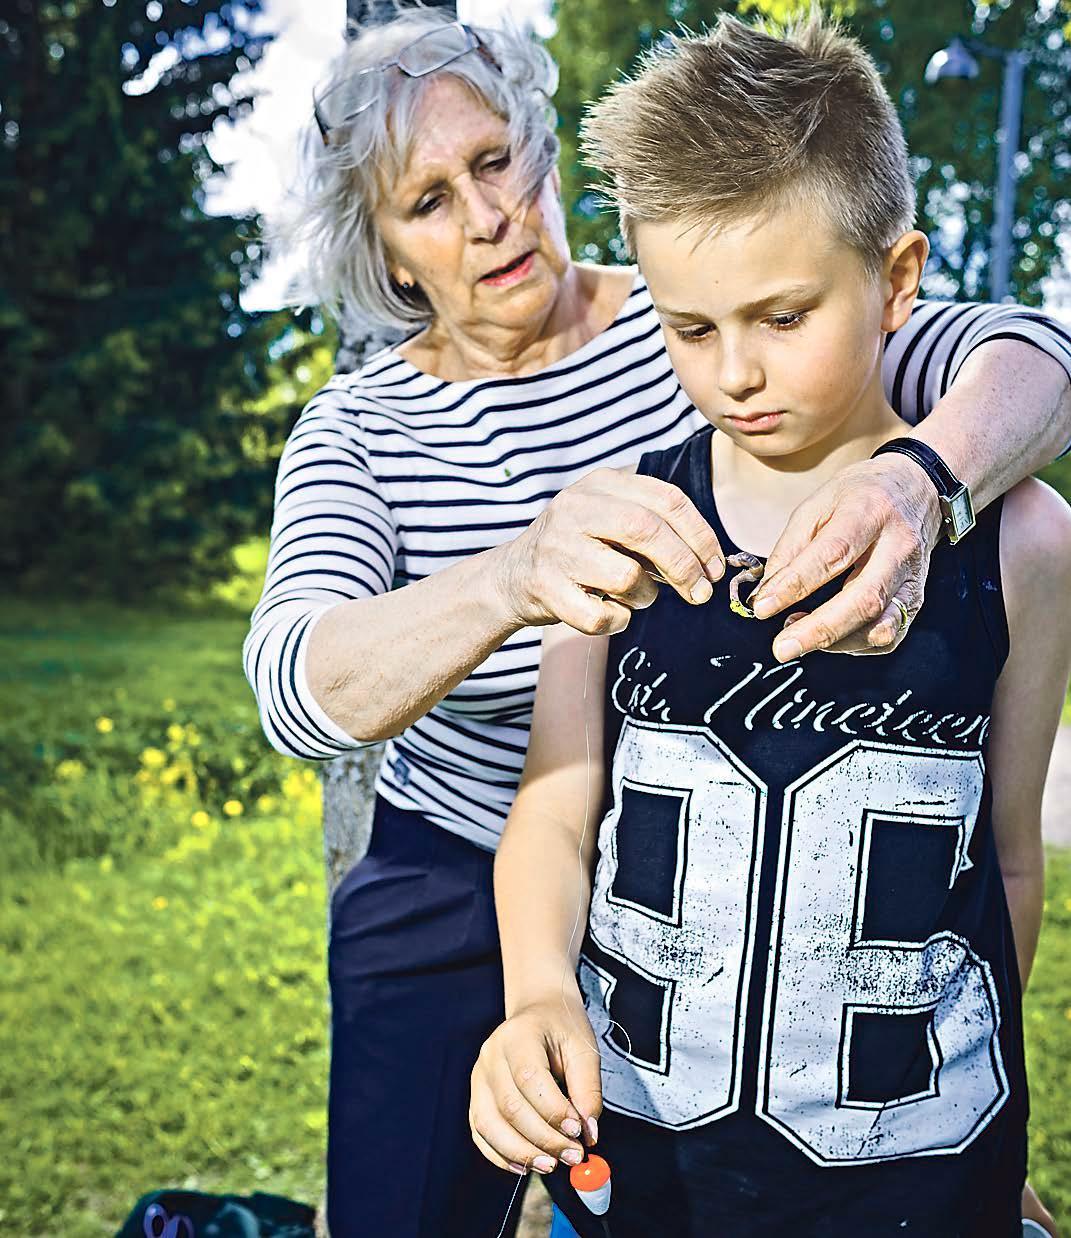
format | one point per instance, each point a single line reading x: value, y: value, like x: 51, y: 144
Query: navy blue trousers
x: 416, y: 988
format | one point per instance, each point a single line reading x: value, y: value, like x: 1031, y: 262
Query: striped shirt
x: 391, y: 474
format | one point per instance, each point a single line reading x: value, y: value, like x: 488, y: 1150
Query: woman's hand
x: 588, y: 559
x: 518, y: 1114
x: 883, y: 517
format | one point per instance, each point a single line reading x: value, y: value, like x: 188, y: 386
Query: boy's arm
x: 536, y: 1084
x: 1035, y: 564
x: 543, y: 865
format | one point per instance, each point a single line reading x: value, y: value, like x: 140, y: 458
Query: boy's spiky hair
x: 743, y: 120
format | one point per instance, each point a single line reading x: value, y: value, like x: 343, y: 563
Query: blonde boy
x: 813, y: 890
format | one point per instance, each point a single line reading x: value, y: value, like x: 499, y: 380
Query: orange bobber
x: 591, y: 1181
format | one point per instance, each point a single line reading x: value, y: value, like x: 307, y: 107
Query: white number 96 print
x: 673, y: 918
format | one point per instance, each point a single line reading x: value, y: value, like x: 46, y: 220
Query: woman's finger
x: 834, y: 548
x: 643, y: 533
x: 588, y: 612
x: 615, y: 575
x: 892, y: 567
x: 682, y: 515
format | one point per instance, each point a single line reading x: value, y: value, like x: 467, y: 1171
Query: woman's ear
x: 402, y: 276
x: 905, y: 260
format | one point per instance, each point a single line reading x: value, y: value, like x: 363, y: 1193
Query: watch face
x: 961, y: 511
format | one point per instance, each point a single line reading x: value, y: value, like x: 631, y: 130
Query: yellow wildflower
x: 199, y: 819
x: 233, y: 808
x: 104, y: 725
x: 70, y: 771
x: 266, y: 803
x: 153, y: 758
x: 106, y: 863
x: 168, y: 704
x: 175, y: 733
x: 159, y: 902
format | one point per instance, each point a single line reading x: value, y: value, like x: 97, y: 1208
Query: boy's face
x: 775, y: 329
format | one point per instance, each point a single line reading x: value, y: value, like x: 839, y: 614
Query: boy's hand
x: 518, y: 1114
x: 883, y: 517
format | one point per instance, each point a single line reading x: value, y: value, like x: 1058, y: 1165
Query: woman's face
x: 454, y: 225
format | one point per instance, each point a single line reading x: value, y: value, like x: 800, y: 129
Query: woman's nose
x: 483, y: 214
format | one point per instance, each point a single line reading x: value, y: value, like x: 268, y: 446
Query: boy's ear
x: 905, y: 261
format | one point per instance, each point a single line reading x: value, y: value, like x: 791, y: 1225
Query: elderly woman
x: 439, y: 505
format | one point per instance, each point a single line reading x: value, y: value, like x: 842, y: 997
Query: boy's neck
x: 756, y: 495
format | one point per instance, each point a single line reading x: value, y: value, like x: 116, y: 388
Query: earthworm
x: 752, y: 574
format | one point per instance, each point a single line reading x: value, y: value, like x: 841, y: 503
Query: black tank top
x: 799, y: 965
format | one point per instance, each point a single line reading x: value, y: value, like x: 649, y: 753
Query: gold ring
x: 905, y: 618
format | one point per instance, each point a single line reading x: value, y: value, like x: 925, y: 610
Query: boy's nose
x: 739, y: 373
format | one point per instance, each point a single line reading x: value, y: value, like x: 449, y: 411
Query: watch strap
x: 926, y: 458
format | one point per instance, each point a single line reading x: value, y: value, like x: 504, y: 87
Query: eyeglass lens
x: 430, y: 52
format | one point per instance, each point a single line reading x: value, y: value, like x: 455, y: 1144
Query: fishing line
x: 521, y: 1178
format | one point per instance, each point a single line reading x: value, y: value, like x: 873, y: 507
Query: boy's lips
x: 751, y: 423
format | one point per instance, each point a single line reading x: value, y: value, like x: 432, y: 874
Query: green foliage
x: 127, y: 361
x: 128, y: 723
x: 1047, y: 1028
x: 950, y: 127
x: 172, y: 1026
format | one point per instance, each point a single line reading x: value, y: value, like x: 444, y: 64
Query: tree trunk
x: 349, y: 781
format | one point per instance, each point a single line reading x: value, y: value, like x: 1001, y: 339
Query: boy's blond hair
x: 744, y: 120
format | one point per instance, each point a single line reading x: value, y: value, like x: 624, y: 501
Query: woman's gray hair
x: 330, y: 214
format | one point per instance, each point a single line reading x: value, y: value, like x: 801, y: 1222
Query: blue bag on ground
x: 193, y: 1214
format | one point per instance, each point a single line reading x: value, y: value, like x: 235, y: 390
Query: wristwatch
x: 957, y: 510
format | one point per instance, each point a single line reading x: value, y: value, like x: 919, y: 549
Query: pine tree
x: 126, y: 357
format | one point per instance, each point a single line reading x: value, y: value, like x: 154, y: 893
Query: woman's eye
x: 499, y: 164
x: 786, y: 322
x: 694, y: 335
x: 426, y: 207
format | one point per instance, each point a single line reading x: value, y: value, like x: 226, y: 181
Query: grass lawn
x: 162, y: 931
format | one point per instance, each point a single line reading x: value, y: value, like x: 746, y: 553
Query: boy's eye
x: 785, y: 322
x: 693, y: 334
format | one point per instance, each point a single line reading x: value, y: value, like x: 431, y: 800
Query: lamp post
x: 958, y: 60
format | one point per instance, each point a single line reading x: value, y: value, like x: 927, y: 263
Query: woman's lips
x: 753, y: 424
x: 512, y: 273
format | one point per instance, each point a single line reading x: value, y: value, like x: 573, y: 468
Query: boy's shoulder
x: 1035, y: 551
x: 675, y: 463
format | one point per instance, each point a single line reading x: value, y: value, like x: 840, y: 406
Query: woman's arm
x: 1035, y: 559
x: 376, y: 665
x: 536, y: 1084
x: 338, y: 658
x: 1006, y: 414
